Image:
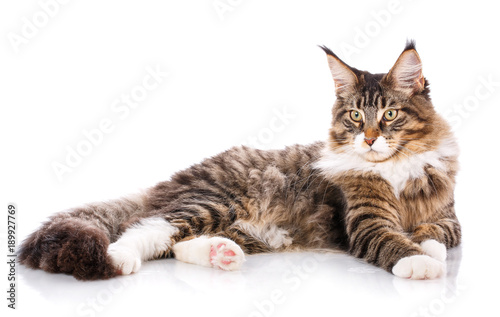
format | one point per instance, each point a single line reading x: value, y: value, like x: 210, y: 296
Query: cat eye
x: 356, y: 116
x: 390, y: 114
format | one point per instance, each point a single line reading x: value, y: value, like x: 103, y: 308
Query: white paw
x: 225, y: 254
x: 124, y: 259
x: 434, y: 249
x: 419, y: 267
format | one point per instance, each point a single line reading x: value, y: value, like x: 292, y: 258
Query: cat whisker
x: 399, y: 152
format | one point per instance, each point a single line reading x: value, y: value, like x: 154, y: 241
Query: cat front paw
x: 434, y: 249
x: 125, y: 260
x: 419, y: 267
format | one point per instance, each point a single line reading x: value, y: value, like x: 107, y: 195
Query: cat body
x: 381, y: 188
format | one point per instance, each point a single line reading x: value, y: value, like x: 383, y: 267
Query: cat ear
x: 344, y: 78
x: 406, y: 75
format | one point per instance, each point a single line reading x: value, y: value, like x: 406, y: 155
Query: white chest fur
x: 397, y: 173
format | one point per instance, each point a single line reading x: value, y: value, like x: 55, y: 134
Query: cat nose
x: 370, y: 141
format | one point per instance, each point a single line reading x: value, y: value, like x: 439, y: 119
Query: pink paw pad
x: 219, y: 254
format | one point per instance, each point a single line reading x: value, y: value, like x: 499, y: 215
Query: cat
x: 380, y: 188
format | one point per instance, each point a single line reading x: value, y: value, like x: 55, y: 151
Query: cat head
x: 384, y: 116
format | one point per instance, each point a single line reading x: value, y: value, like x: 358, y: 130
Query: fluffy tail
x: 76, y: 241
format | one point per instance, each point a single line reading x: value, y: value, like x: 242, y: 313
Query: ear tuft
x: 410, y: 45
x: 344, y: 78
x: 406, y: 74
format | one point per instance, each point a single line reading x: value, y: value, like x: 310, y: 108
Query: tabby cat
x: 381, y: 188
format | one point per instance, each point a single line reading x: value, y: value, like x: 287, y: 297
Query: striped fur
x: 390, y: 203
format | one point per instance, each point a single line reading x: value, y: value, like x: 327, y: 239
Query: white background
x: 233, y: 70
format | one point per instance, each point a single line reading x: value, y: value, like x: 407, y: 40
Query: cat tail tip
x: 70, y: 246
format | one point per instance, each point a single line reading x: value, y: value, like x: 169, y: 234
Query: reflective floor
x: 290, y: 284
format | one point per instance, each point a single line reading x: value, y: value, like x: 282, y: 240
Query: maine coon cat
x: 381, y: 188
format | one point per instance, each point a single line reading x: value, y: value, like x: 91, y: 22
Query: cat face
x: 380, y: 117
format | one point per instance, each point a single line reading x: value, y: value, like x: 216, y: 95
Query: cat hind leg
x: 217, y: 252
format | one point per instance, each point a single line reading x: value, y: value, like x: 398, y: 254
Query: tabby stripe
x: 364, y: 229
x: 384, y: 211
x: 393, y: 252
x: 399, y: 123
x: 349, y: 128
x: 436, y: 231
x: 339, y: 115
x: 458, y: 233
x: 249, y: 244
x: 370, y: 196
x: 418, y: 133
x: 356, y: 219
x: 373, y: 197
x: 241, y: 234
x: 201, y: 194
x: 413, y: 113
x: 360, y: 102
x: 436, y: 181
x: 205, y: 195
x: 184, y: 213
x: 354, y: 222
x: 448, y: 233
x: 341, y: 136
x: 367, y: 204
x: 251, y: 157
x: 362, y: 242
x: 448, y: 236
x: 214, y: 213
x: 355, y: 103
x: 383, y: 102
x: 367, y: 95
x: 389, y: 103
x: 232, y: 215
x: 188, y: 215
x: 381, y: 244
x: 223, y: 191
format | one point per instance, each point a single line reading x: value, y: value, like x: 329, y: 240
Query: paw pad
x: 226, y: 255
